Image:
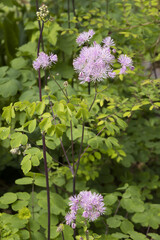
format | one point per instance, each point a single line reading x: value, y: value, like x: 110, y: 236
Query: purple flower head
x: 53, y: 58
x: 70, y: 217
x: 84, y: 37
x: 91, y: 205
x: 44, y: 61
x: 125, y: 62
x: 108, y: 42
x: 93, y: 63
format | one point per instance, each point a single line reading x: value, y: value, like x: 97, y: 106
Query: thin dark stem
x: 63, y: 235
x: 94, y: 98
x: 107, y: 6
x: 117, y: 208
x: 154, y: 70
x: 73, y: 5
x: 153, y: 67
x: 43, y: 135
x: 147, y: 231
x: 39, y: 82
x: 29, y: 230
x: 80, y: 150
x: 40, y: 38
x: 64, y: 151
x: 74, y: 177
x: 68, y: 5
x: 33, y: 198
x: 62, y: 90
x: 89, y: 88
x: 47, y: 182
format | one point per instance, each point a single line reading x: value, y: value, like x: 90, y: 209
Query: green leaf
x: 40, y: 181
x: 19, y: 63
x: 23, y: 195
x: 54, y: 232
x: 154, y: 236
x: 45, y: 124
x: 68, y: 232
x: 24, y: 234
x: 8, y: 198
x: 4, y: 132
x: 32, y: 126
x: 121, y: 123
x: 110, y: 199
x: 93, y: 143
x: 114, y: 141
x: 59, y: 180
x: 24, y: 181
x: 132, y: 205
x: 3, y: 71
x: 9, y: 88
x: 108, y: 143
x: 28, y: 49
x: 136, y: 107
x: 120, y: 235
x: 16, y: 140
x: 43, y: 220
x: 126, y: 226
x: 19, y: 205
x: 97, y: 155
x: 40, y: 108
x: 35, y: 160
x: 26, y: 164
x: 135, y: 235
x: 114, y: 222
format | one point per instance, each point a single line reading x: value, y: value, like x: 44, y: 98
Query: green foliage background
x: 121, y: 138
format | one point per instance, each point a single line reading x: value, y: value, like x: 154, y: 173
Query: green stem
x: 94, y: 97
x: 29, y: 230
x: 87, y: 235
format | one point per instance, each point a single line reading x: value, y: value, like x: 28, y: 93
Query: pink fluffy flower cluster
x: 44, y: 61
x: 95, y: 63
x: 90, y: 204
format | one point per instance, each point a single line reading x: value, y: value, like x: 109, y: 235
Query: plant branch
x: 68, y: 6
x: 64, y: 151
x: 47, y: 182
x: 74, y: 177
x: 73, y: 5
x: 43, y: 134
x: 147, y: 231
x: 94, y: 97
x: 62, y: 235
x: 80, y: 150
x: 117, y: 208
x: 89, y: 145
x: 62, y: 90
x: 40, y: 38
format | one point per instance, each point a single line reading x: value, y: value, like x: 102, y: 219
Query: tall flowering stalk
x: 43, y: 61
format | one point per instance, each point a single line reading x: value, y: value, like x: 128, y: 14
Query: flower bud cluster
x: 20, y: 149
x: 43, y: 12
